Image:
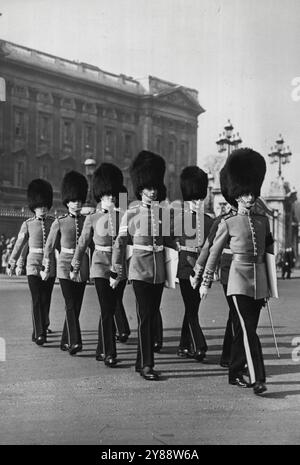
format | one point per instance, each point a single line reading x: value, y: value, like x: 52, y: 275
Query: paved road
x: 49, y: 397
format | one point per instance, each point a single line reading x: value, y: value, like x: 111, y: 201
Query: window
x: 19, y: 174
x: 109, y: 141
x: 44, y: 172
x: 89, y: 136
x: 171, y: 150
x: 19, y: 123
x: 128, y: 145
x: 45, y: 127
x: 68, y: 132
x: 158, y: 145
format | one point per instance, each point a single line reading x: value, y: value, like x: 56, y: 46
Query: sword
x: 272, y: 326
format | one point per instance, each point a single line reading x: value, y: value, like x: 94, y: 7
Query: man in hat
x: 64, y: 234
x: 191, y: 219
x: 141, y: 226
x: 102, y: 228
x: 35, y: 231
x: 249, y: 238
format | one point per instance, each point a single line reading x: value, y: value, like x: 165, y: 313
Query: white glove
x: 10, y: 271
x: 74, y: 276
x: 113, y: 282
x: 203, y: 291
x: 193, y: 281
x: 44, y: 275
x: 18, y: 271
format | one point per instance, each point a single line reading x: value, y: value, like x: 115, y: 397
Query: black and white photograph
x: 149, y: 226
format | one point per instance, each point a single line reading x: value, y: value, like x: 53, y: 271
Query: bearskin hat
x: 39, y: 194
x: 148, y: 170
x: 107, y: 180
x: 224, y: 187
x: 246, y: 170
x: 193, y: 183
x: 74, y: 187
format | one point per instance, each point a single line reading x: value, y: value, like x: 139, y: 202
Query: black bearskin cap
x: 39, y: 194
x: 193, y: 183
x: 107, y: 180
x: 148, y: 170
x: 74, y: 187
x: 224, y: 187
x: 246, y: 170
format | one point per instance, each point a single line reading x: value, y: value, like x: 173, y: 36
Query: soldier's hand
x: 194, y: 282
x: 44, y: 275
x: 203, y: 291
x: 18, y: 271
x: 74, y: 276
x: 9, y: 271
x: 113, y: 282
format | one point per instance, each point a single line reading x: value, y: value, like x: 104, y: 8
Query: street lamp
x: 280, y: 155
x: 89, y: 205
x: 228, y: 140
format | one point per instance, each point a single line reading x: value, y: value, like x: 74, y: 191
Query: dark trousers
x: 148, y: 298
x: 246, y: 342
x: 120, y: 318
x: 106, y: 329
x: 41, y: 292
x: 191, y: 333
x: 229, y: 331
x: 73, y: 294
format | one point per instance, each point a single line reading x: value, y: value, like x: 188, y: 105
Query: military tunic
x: 102, y: 227
x: 30, y: 245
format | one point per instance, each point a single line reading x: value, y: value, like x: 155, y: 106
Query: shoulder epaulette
x: 63, y: 216
x: 30, y: 219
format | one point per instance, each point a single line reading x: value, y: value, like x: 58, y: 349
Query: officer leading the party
x: 249, y: 237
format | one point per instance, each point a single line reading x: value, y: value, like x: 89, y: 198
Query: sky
x: 242, y: 56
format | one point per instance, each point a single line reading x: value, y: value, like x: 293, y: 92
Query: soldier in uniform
x: 64, y: 234
x: 249, y: 237
x: 141, y: 226
x: 102, y: 227
x: 193, y: 183
x: 34, y: 231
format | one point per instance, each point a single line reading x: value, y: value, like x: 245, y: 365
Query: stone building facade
x: 58, y: 113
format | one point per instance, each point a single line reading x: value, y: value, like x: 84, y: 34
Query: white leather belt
x: 70, y: 251
x: 229, y: 251
x: 149, y: 248
x: 189, y: 249
x: 103, y: 248
x: 35, y: 250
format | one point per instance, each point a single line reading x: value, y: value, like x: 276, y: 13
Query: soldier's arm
x: 269, y: 239
x: 22, y: 259
x: 51, y: 244
x: 20, y: 242
x: 83, y: 243
x: 119, y: 249
x: 202, y: 259
x: 219, y: 242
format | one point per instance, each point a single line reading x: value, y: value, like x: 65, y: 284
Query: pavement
x: 48, y: 397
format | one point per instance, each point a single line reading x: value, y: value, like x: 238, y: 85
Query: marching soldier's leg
x: 106, y: 349
x: 144, y: 297
x: 70, y: 322
x: 46, y: 292
x: 184, y: 349
x: 158, y: 331
x: 248, y: 311
x: 120, y: 318
x: 79, y: 293
x: 228, y: 336
x: 34, y: 286
x: 191, y: 300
